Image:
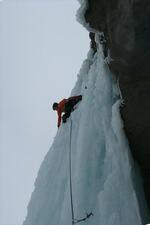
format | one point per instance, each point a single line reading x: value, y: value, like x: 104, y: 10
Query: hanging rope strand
x: 88, y: 215
x: 70, y: 170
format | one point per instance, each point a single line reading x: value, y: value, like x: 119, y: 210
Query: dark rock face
x: 126, y: 26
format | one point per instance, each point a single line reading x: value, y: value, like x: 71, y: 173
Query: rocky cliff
x: 126, y: 27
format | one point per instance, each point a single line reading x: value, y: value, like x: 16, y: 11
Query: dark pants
x: 69, y: 107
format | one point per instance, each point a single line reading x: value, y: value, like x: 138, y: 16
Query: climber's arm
x: 59, y: 118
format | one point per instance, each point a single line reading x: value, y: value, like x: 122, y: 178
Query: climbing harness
x: 88, y: 215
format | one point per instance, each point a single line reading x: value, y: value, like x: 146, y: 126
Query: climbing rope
x: 70, y: 170
x: 83, y: 219
x: 88, y: 215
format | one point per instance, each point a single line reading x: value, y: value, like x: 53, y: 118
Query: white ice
x: 102, y: 167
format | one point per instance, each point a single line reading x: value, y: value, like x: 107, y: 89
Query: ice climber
x: 66, y: 106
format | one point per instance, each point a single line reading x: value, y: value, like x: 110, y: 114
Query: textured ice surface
x: 101, y: 163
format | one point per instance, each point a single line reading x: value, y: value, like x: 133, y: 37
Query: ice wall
x: 102, y: 168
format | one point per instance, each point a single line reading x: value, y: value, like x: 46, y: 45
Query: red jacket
x: 61, y: 107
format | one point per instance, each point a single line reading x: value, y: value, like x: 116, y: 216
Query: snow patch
x: 81, y: 11
x: 80, y: 15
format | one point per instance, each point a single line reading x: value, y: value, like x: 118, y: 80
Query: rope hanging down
x: 88, y: 215
x: 70, y: 171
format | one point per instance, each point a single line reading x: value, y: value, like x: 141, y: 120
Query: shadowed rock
x: 126, y: 26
